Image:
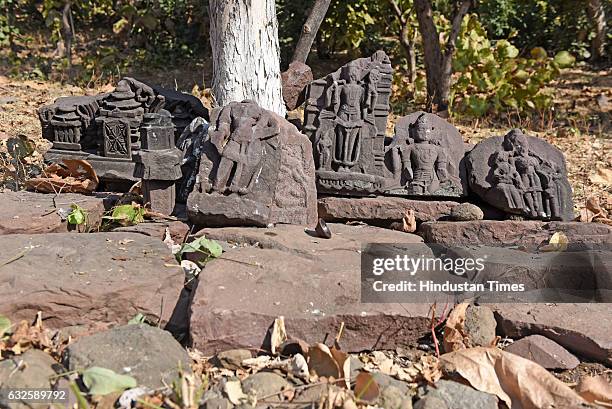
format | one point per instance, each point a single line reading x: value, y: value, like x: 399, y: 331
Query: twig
x: 15, y: 258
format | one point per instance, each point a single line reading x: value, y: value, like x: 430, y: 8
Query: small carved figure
x: 324, y: 147
x: 424, y: 162
x: 241, y: 130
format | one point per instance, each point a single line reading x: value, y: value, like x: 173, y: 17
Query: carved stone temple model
x: 118, y: 132
x: 521, y: 175
x: 346, y: 119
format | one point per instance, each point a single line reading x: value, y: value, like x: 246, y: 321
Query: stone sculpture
x: 255, y: 168
x: 425, y: 157
x: 346, y: 118
x: 126, y: 135
x: 521, y: 175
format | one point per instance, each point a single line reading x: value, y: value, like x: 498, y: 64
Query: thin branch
x: 458, y: 15
x: 398, y: 11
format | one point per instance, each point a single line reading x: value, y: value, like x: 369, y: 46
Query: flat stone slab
x: 87, y: 278
x: 35, y: 213
x: 512, y: 232
x: 314, y: 283
x: 581, y: 328
x: 381, y: 209
x: 544, y: 352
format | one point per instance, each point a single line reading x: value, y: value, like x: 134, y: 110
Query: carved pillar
x: 158, y: 162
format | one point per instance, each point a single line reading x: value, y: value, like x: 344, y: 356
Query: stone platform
x: 314, y: 283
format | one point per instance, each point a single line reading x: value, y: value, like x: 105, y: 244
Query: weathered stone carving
x: 158, y: 162
x: 255, y: 168
x: 108, y: 129
x: 521, y: 175
x: 346, y: 118
x: 425, y: 157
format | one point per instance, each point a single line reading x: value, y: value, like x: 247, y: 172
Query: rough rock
x: 265, y: 384
x: 258, y: 173
x: 577, y: 327
x: 314, y: 283
x: 177, y: 229
x: 217, y: 403
x: 479, y: 325
x: 522, y: 175
x: 459, y: 396
x: 231, y: 359
x: 393, y: 397
x: 30, y: 370
x: 295, y: 80
x: 149, y: 354
x: 381, y: 210
x: 35, y: 213
x: 430, y: 402
x: 512, y: 233
x: 544, y: 352
x: 465, y: 212
x: 88, y: 278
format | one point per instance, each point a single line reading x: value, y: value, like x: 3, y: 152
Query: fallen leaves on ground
x: 519, y: 382
x: 593, y: 212
x: 595, y: 389
x: 278, y: 335
x: 71, y: 176
x: 102, y: 381
x: 558, y: 242
x: 454, y: 335
x: 366, y: 388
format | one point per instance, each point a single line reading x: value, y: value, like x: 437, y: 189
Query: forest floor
x: 581, y: 126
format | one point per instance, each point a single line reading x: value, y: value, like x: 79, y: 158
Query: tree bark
x: 407, y: 41
x: 310, y: 29
x: 597, y: 14
x: 438, y: 64
x: 246, y: 54
x: 67, y: 32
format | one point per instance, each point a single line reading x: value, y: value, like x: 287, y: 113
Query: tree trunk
x: 67, y: 32
x: 438, y: 65
x: 246, y: 54
x: 407, y: 42
x: 310, y: 29
x: 597, y: 15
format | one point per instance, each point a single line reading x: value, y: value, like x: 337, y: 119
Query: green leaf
x: 538, y: 53
x: 102, y: 381
x: 127, y: 214
x: 5, y: 325
x: 138, y: 319
x: 564, y: 59
x: 208, y: 249
x: 77, y: 216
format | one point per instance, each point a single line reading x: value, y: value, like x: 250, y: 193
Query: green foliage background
x: 507, y: 52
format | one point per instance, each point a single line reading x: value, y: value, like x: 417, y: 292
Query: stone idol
x: 425, y: 157
x: 521, y: 175
x: 346, y: 119
x: 126, y: 135
x: 251, y: 167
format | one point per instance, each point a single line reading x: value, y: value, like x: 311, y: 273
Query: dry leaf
x: 603, y: 176
x: 344, y: 364
x: 74, y: 176
x: 595, y: 389
x: 233, y: 391
x: 409, y: 221
x: 558, y: 242
x: 366, y: 388
x: 278, y: 335
x: 321, y: 362
x: 430, y: 368
x: 519, y: 382
x: 454, y: 336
